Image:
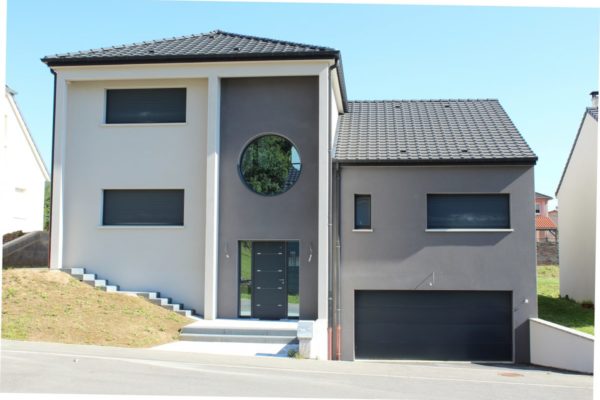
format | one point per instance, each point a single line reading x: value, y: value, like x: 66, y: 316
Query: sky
x: 540, y: 63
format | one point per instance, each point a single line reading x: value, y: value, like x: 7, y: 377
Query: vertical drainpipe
x: 52, y: 171
x: 330, y: 222
x: 338, y: 261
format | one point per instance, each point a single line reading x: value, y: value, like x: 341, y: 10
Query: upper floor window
x: 362, y: 211
x: 468, y: 211
x: 143, y: 207
x: 538, y: 208
x: 139, y: 106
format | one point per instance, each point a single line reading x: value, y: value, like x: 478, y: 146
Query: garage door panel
x: 436, y: 325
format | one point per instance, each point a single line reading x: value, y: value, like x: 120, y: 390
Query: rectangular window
x: 143, y: 207
x: 362, y: 211
x: 468, y: 211
x: 537, y: 208
x: 138, y: 106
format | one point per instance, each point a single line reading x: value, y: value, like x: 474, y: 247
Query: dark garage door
x: 433, y: 325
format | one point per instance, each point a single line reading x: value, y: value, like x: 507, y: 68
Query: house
x: 232, y: 173
x: 546, y: 229
x: 577, y: 198
x: 24, y: 173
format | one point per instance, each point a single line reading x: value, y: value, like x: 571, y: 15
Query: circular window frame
x: 243, y: 151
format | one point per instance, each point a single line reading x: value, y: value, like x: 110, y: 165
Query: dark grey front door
x: 270, y: 286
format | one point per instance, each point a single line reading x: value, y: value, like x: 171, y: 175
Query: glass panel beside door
x: 269, y: 279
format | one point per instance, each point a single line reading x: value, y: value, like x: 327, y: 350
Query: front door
x: 269, y: 280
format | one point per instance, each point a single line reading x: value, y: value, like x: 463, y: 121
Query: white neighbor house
x: 576, y: 196
x: 24, y: 173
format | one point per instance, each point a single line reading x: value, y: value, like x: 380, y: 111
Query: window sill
x: 362, y: 230
x: 145, y: 124
x: 469, y: 230
x: 141, y: 226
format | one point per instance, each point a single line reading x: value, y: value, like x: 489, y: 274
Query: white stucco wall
x: 577, y: 204
x: 556, y: 346
x: 144, y: 156
x: 24, y: 174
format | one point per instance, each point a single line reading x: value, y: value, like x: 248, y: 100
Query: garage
x: 433, y: 325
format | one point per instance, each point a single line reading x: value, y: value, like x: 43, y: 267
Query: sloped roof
x: 543, y: 223
x: 543, y: 196
x: 213, y: 46
x: 593, y: 112
x: 429, y: 131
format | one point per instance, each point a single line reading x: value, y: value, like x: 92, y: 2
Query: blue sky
x: 540, y: 63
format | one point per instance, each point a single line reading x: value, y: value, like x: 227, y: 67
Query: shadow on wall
x: 29, y: 250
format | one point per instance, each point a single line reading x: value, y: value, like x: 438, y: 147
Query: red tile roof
x: 543, y: 223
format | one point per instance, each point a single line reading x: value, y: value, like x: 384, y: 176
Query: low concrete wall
x: 547, y: 253
x: 29, y: 250
x: 556, y: 346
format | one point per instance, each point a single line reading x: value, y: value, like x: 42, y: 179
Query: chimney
x: 594, y: 95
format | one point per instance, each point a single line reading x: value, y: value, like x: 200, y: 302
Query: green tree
x: 47, y: 206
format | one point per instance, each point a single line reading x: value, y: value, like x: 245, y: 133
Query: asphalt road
x: 29, y: 367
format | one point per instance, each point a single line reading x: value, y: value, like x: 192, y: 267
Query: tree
x: 47, y: 206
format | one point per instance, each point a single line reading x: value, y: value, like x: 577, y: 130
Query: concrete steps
x: 240, y: 331
x: 153, y: 297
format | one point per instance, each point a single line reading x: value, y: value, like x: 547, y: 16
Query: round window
x: 270, y: 165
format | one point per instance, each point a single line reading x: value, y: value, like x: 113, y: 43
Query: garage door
x: 433, y: 325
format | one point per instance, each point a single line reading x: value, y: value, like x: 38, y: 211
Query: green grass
x: 553, y: 308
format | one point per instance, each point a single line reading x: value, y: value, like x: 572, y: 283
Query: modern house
x: 23, y: 172
x: 233, y: 174
x: 577, y: 198
x: 546, y: 229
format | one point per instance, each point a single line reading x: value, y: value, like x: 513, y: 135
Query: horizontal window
x: 143, y: 207
x: 468, y: 211
x: 139, y: 106
x: 362, y: 211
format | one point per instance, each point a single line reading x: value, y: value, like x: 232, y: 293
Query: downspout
x: 52, y: 172
x: 338, y: 261
x: 330, y: 276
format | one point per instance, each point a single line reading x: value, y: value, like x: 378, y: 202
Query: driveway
x: 58, y: 368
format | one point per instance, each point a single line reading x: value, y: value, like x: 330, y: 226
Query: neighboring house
x: 577, y: 198
x: 24, y: 174
x: 554, y: 216
x: 231, y: 173
x: 546, y: 229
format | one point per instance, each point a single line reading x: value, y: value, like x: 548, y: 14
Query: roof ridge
x: 420, y: 100
x: 270, y: 40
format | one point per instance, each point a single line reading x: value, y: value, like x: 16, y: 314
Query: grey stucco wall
x: 400, y: 255
x: 251, y: 107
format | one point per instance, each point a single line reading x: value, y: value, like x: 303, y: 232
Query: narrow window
x: 143, y: 207
x: 362, y: 211
x: 468, y: 211
x: 138, y: 106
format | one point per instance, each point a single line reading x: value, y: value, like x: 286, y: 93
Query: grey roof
x: 213, y: 46
x: 593, y: 111
x: 429, y: 131
x: 543, y: 196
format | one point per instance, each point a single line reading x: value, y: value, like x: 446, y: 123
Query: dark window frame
x: 363, y: 227
x: 117, y: 120
x: 108, y: 217
x: 507, y: 226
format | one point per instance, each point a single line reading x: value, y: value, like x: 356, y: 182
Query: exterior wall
x: 577, y: 202
x: 288, y: 106
x: 24, y: 174
x: 143, y: 156
x: 400, y: 255
x: 543, y: 206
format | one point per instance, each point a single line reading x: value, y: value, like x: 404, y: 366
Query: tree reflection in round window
x: 270, y: 165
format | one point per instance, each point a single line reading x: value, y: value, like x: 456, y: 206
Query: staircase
x: 153, y: 297
x: 241, y: 331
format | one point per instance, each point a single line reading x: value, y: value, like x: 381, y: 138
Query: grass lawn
x: 560, y: 310
x: 51, y: 306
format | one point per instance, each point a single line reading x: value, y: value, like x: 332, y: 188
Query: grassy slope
x: 559, y: 310
x: 44, y: 305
